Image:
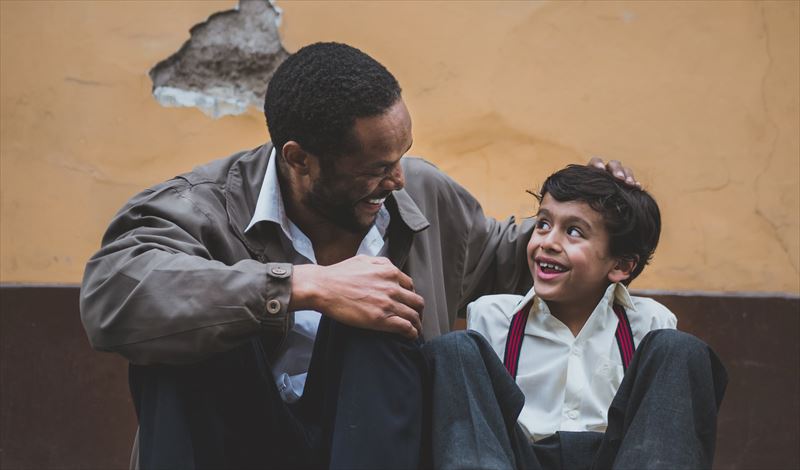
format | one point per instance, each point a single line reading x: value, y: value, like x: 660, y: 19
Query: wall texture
x: 700, y: 98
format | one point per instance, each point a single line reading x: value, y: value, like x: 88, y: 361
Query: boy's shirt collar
x: 615, y: 293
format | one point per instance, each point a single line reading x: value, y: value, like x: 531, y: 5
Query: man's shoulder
x: 218, y: 171
x: 431, y: 188
x: 203, y: 186
x: 420, y: 172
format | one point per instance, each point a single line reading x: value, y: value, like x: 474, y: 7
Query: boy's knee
x: 674, y: 342
x: 456, y: 344
x: 447, y: 342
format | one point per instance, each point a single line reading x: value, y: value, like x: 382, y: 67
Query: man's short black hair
x: 630, y: 214
x: 316, y: 95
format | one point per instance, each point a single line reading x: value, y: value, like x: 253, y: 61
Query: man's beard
x: 337, y: 210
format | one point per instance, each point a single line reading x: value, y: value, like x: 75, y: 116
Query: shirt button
x: 577, y: 352
x: 273, y: 306
x: 279, y: 271
x: 572, y: 414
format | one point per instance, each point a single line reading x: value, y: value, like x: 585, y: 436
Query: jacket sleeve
x: 495, y: 260
x: 154, y: 293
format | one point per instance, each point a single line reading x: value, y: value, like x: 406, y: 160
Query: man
x: 212, y: 284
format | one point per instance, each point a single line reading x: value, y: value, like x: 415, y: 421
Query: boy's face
x: 568, y: 254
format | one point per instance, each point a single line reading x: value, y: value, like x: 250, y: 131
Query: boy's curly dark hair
x: 316, y: 95
x: 630, y: 214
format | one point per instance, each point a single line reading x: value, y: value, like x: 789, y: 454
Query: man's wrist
x: 305, y: 292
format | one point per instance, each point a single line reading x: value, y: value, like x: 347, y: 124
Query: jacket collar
x: 243, y: 186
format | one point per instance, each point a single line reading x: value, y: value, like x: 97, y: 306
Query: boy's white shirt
x: 568, y: 382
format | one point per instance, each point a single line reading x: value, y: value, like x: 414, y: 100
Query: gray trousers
x: 664, y: 415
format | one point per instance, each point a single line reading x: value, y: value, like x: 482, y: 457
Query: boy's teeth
x: 554, y: 267
x: 376, y: 201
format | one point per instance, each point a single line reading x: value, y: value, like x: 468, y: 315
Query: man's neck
x: 331, y: 243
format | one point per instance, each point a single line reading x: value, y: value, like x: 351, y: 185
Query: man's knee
x: 359, y: 342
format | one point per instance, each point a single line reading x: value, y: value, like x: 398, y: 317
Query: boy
x: 569, y: 343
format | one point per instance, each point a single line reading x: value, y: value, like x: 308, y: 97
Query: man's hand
x: 615, y: 168
x: 364, y: 291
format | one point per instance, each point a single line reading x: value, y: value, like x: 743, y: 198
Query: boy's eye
x: 542, y: 225
x: 574, y: 232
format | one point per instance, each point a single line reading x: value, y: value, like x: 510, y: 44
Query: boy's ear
x: 296, y: 158
x: 622, y: 270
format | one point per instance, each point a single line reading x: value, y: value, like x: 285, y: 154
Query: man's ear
x: 297, y: 159
x: 622, y: 269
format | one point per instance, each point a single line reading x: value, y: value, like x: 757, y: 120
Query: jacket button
x: 278, y: 271
x: 273, y: 306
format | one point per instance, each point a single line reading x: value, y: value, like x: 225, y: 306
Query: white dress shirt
x: 568, y: 381
x: 291, y: 367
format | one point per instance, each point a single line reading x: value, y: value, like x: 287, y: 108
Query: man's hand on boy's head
x: 616, y: 169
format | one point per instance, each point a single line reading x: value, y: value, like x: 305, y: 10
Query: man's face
x: 568, y: 254
x: 350, y: 192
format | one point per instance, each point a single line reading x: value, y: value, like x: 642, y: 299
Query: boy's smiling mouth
x: 548, y: 268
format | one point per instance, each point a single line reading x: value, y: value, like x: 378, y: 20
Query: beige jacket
x: 177, y: 279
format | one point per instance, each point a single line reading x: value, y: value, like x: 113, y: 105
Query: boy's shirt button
x: 572, y: 414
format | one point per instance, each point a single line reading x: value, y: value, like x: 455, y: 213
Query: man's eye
x: 381, y: 172
x: 574, y: 232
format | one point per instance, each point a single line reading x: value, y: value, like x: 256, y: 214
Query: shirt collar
x: 615, y: 293
x: 269, y: 205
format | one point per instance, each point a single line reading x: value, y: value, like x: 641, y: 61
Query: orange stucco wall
x: 700, y: 98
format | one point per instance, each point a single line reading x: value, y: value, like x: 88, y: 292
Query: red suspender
x: 514, y: 340
x: 624, y: 337
x: 516, y: 332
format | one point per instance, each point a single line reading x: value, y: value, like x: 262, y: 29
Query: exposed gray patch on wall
x: 227, y: 62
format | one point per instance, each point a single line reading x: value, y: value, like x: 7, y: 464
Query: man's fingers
x: 409, y: 314
x: 401, y: 326
x: 408, y: 306
x: 409, y: 298
x: 616, y: 168
x: 622, y: 172
x: 597, y: 162
x: 405, y: 281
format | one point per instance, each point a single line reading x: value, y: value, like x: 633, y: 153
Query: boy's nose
x: 551, y: 242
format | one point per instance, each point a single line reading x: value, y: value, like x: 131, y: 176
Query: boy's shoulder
x: 492, y: 309
x: 652, y: 313
x: 504, y: 302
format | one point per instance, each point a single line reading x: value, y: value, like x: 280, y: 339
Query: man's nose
x: 394, y: 180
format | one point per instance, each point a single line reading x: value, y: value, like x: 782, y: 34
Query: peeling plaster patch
x: 227, y: 62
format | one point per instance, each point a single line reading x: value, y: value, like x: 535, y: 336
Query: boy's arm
x: 658, y: 316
